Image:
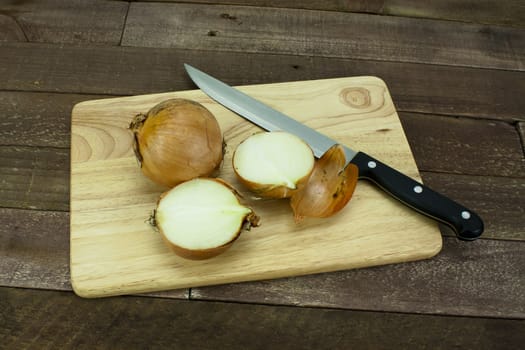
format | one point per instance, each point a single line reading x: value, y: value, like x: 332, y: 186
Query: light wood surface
x: 114, y: 250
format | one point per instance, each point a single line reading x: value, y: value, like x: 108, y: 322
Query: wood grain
x: 464, y: 145
x: 464, y: 276
x: 37, y: 119
x: 34, y: 178
x: 51, y: 320
x: 506, y: 12
x: 10, y: 30
x: 499, y: 200
x: 456, y: 91
x: 34, y: 246
x: 323, y: 34
x: 69, y: 22
x: 521, y: 130
x: 114, y: 252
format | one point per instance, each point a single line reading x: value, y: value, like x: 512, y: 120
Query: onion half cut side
x: 201, y: 218
x: 273, y: 164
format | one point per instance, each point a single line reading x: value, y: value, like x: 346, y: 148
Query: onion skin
x: 250, y: 220
x: 177, y: 140
x: 329, y: 187
x: 200, y: 254
x: 269, y: 191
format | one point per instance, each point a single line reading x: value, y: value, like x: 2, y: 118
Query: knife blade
x: 466, y: 223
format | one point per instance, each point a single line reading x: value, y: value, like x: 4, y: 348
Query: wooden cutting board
x: 115, y: 251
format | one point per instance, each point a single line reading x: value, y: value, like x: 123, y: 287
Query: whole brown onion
x: 177, y: 140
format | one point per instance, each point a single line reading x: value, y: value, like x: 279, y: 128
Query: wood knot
x: 356, y: 97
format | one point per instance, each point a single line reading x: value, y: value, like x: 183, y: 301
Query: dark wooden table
x: 456, y: 72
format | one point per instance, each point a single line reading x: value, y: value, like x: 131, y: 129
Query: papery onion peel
x: 329, y: 187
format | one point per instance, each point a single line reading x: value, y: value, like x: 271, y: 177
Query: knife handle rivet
x: 372, y: 164
x: 418, y: 189
x: 465, y: 215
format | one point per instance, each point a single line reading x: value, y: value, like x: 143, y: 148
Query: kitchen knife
x: 467, y: 224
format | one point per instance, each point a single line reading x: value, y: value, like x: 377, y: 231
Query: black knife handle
x: 467, y: 224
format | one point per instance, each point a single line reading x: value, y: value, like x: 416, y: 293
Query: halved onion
x: 201, y: 218
x: 272, y: 164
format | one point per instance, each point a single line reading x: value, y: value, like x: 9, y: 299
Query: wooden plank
x: 506, y: 12
x: 500, y: 201
x: 34, y: 246
x: 481, y: 278
x: 129, y: 71
x: 34, y: 178
x: 521, y: 130
x: 69, y: 21
x: 323, y: 34
x: 503, y: 12
x: 328, y: 5
x: 90, y: 70
x: 36, y: 319
x: 35, y: 135
x: 10, y: 30
x: 37, y: 119
x: 464, y: 145
x: 453, y: 91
